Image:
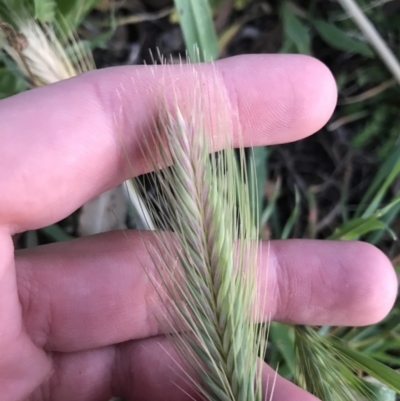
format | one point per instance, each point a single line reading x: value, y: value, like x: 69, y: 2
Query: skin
x: 74, y: 321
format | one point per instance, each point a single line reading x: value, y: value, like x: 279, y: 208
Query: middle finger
x: 92, y: 292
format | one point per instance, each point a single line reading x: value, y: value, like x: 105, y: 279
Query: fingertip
x: 380, y: 281
x: 318, y: 94
x: 336, y: 283
x: 279, y: 98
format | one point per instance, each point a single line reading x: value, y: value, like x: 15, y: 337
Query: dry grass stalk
x: 39, y: 54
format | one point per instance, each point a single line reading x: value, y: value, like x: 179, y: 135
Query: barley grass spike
x: 206, y: 254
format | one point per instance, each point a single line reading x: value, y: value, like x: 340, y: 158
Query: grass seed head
x: 209, y: 231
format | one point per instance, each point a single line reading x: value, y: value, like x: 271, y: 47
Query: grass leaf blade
x: 376, y: 369
x: 340, y: 40
x: 45, y: 10
x: 198, y: 29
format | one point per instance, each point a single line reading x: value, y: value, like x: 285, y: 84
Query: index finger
x: 61, y: 145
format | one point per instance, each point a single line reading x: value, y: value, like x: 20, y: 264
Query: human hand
x: 74, y: 323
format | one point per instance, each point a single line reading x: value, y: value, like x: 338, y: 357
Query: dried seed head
x: 44, y: 53
x: 16, y: 40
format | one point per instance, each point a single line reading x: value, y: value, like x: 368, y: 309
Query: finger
x: 338, y: 283
x: 145, y: 370
x: 92, y: 292
x: 18, y: 354
x: 65, y: 143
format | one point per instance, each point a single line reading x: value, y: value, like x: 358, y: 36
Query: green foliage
x: 287, y: 229
x: 257, y: 167
x: 73, y: 11
x: 10, y: 84
x: 387, y: 220
x: 340, y: 40
x: 385, y: 375
x: 320, y: 371
x: 56, y: 233
x: 282, y: 337
x: 355, y: 228
x: 196, y: 21
x: 295, y: 30
x: 375, y: 213
x: 216, y: 4
x: 45, y: 10
x: 385, y: 177
x: 379, y: 392
x: 238, y: 4
x: 62, y: 14
x: 373, y: 128
x: 70, y: 13
x: 270, y: 209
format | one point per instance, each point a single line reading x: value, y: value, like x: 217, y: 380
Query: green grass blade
x: 287, y: 229
x: 215, y: 4
x: 56, y: 233
x: 10, y: 83
x: 45, y: 10
x: 388, y: 172
x: 198, y: 29
x: 13, y: 6
x: 382, y: 191
x: 100, y: 41
x: 389, y: 207
x: 270, y: 209
x: 257, y: 168
x: 295, y: 30
x: 378, y: 370
x: 374, y: 237
x: 73, y: 11
x: 282, y: 336
x: 354, y: 228
x: 340, y: 40
x: 357, y: 227
x: 379, y: 392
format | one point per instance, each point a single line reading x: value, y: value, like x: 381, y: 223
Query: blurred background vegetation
x: 341, y: 183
